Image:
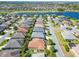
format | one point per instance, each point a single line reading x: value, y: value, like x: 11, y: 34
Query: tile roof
x: 37, y: 44
x: 39, y: 25
x: 23, y: 30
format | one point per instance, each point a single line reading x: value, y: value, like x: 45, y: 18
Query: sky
x: 39, y: 0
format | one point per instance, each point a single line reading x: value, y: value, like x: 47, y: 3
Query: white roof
x: 68, y: 35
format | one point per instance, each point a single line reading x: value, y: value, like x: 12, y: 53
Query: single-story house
x: 25, y: 25
x: 10, y: 53
x: 41, y: 54
x: 27, y: 22
x: 18, y: 35
x: 77, y: 34
x: 23, y: 30
x: 76, y: 50
x: 38, y: 29
x: 39, y: 22
x: 37, y: 39
x: 67, y: 35
x: 38, y: 35
x: 37, y: 45
x: 12, y: 44
x: 21, y: 41
x: 2, y: 28
x: 39, y: 25
x: 68, y: 22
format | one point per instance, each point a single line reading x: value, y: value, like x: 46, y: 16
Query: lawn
x: 4, y: 42
x: 60, y: 39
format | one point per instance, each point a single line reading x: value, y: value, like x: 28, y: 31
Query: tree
x: 60, y: 9
x: 2, y: 33
x: 66, y: 47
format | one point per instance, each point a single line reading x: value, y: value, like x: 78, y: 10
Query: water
x: 68, y: 14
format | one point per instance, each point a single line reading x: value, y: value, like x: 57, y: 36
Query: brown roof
x: 22, y: 30
x: 37, y: 44
x: 39, y: 25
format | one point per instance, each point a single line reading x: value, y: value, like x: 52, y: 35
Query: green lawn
x: 63, y: 44
x: 4, y: 42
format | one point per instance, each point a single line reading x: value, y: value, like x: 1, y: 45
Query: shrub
x: 2, y: 33
x: 66, y: 47
x: 49, y: 42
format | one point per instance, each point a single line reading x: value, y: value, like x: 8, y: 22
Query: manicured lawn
x: 63, y: 43
x: 4, y: 42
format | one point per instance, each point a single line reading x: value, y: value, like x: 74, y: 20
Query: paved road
x: 54, y: 39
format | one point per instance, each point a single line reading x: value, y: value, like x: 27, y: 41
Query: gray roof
x: 38, y: 29
x: 10, y: 53
x: 14, y: 44
x: 26, y: 25
x: 28, y: 22
x: 19, y: 40
x: 18, y: 35
x: 38, y: 35
x: 68, y: 35
x: 2, y: 28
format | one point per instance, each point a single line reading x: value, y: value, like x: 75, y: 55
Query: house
x: 67, y: 35
x: 68, y: 22
x: 41, y: 54
x: 18, y: 35
x: 28, y: 22
x: 76, y: 34
x: 75, y: 50
x: 38, y: 35
x: 39, y: 22
x: 25, y: 25
x: 2, y: 28
x: 21, y: 29
x: 21, y: 41
x: 37, y: 39
x: 39, y: 25
x: 12, y: 44
x: 38, y: 29
x: 10, y: 53
x: 37, y: 45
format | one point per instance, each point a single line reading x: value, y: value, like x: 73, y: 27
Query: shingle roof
x: 10, y: 53
x: 68, y: 36
x: 38, y: 35
x: 13, y: 44
x: 38, y: 29
x: 2, y: 28
x: 18, y: 35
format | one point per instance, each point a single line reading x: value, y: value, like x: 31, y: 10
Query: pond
x: 68, y: 14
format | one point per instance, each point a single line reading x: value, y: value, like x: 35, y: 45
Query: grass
x: 4, y: 42
x: 61, y: 39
